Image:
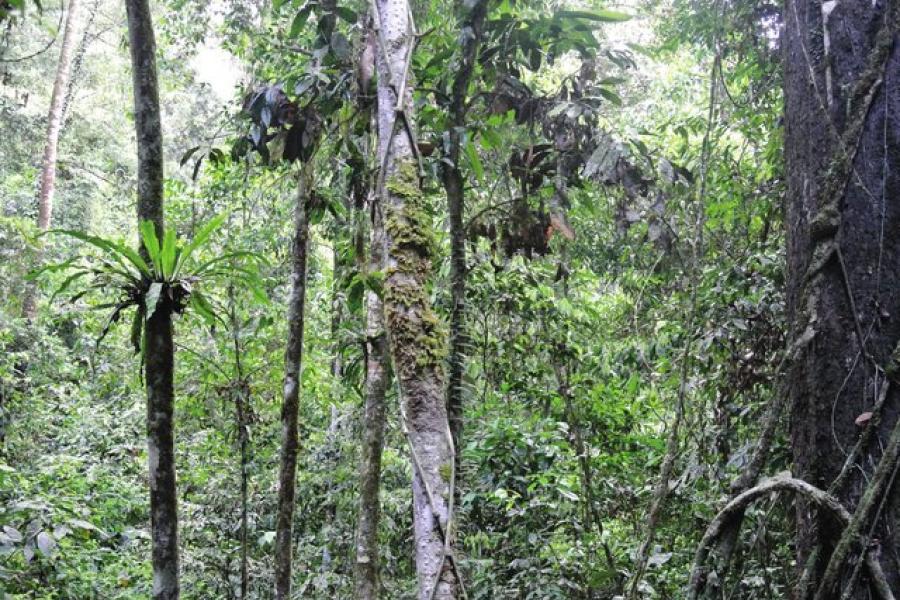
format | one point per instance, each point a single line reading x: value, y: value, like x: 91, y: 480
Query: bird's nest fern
x: 165, y: 278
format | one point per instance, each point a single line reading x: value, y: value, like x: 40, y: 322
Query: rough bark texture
x: 291, y: 402
x: 417, y: 338
x: 159, y: 351
x: 367, y: 585
x: 55, y: 118
x: 842, y: 145
x: 454, y: 186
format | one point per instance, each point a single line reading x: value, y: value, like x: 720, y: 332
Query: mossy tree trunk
x: 842, y: 143
x: 291, y: 401
x: 417, y: 339
x: 159, y: 351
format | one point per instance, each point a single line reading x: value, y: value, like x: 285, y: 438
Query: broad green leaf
x: 134, y: 258
x: 346, y: 14
x: 151, y: 298
x: 300, y: 20
x: 110, y: 249
x: 475, y: 161
x: 167, y: 254
x: 12, y: 533
x: 610, y: 95
x: 151, y: 243
x: 46, y: 542
x: 603, y: 15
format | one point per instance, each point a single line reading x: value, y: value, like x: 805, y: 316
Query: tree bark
x: 454, y: 186
x: 291, y: 401
x: 55, y: 119
x: 159, y: 352
x: 842, y: 135
x: 239, y: 389
x: 366, y: 567
x: 417, y: 339
x: 367, y: 583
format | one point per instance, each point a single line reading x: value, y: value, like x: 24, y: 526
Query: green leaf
x: 475, y: 161
x: 187, y: 155
x: 133, y: 257
x: 603, y: 15
x: 52, y: 268
x: 300, y: 20
x: 203, y: 308
x: 203, y: 268
x: 68, y: 282
x: 199, y: 239
x: 167, y: 255
x: 151, y: 298
x: 110, y: 249
x: 151, y: 242
x: 113, y: 318
x: 346, y: 14
x: 117, y: 268
x: 610, y: 95
x: 46, y: 543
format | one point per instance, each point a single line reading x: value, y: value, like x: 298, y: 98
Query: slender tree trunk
x: 55, y: 116
x: 454, y: 186
x: 417, y: 339
x: 367, y: 584
x: 842, y: 140
x: 51, y: 143
x: 240, y: 395
x: 159, y: 352
x: 337, y: 315
x: 291, y: 402
x: 241, y: 405
x: 366, y: 568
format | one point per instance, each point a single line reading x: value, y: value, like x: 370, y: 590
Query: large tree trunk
x: 842, y: 140
x: 51, y: 143
x: 454, y: 186
x: 291, y: 402
x: 159, y: 350
x: 417, y: 339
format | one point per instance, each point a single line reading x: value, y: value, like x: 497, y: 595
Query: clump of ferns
x: 165, y: 278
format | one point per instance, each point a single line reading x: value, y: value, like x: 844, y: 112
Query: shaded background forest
x: 641, y: 309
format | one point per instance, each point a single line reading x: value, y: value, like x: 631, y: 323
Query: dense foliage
x: 625, y: 311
